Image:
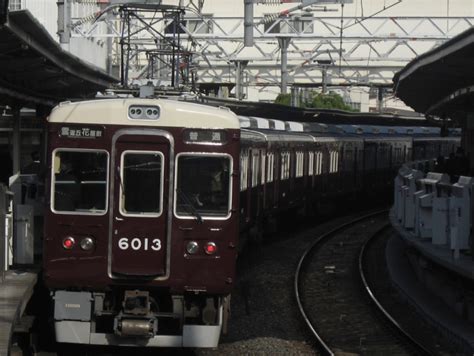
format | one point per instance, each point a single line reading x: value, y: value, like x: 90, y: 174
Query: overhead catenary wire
x: 373, y: 14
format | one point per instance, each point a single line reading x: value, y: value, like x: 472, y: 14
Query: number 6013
x: 139, y: 244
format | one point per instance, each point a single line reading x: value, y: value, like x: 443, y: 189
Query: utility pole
x: 239, y: 73
x: 64, y: 21
x: 380, y: 99
x: 284, y: 42
x: 248, y: 23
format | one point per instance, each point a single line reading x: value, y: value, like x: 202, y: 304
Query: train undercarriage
x: 139, y: 318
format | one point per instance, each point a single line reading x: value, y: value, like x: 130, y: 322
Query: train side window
x: 334, y: 161
x: 299, y: 164
x: 244, y: 159
x: 255, y: 168
x: 79, y: 181
x: 288, y: 165
x: 270, y: 167
x: 310, y: 163
x: 285, y: 165
x: 141, y: 183
x: 319, y: 163
x: 203, y: 185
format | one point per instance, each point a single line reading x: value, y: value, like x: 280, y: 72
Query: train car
x: 142, y: 228
x: 325, y: 163
x: 148, y: 197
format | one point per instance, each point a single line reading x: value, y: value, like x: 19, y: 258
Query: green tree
x: 318, y: 101
x: 283, y: 99
x: 329, y: 101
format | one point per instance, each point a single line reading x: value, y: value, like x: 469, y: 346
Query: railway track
x: 335, y: 299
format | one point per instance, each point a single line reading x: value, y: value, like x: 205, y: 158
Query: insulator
x: 82, y: 21
x: 92, y: 2
x: 270, y: 18
x: 269, y: 2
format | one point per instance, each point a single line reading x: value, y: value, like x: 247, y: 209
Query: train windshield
x: 141, y: 183
x: 79, y: 181
x: 203, y: 186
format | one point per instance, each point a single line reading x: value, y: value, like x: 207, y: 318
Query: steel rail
x: 421, y: 348
x: 322, y: 238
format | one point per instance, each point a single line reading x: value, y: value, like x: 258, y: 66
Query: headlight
x: 192, y: 247
x: 87, y: 244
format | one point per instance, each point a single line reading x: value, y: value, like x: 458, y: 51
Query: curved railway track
x: 336, y: 301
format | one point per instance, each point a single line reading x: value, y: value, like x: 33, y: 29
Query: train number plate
x: 137, y: 244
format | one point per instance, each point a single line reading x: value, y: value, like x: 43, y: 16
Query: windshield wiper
x: 187, y: 201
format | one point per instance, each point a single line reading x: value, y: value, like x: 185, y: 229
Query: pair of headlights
x: 86, y: 244
x: 192, y: 247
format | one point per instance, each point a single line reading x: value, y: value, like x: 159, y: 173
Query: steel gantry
x: 320, y: 49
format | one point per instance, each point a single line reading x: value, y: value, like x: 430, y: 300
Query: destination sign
x: 218, y: 137
x: 81, y: 132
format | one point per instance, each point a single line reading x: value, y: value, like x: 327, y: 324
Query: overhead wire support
x: 373, y: 15
x: 248, y: 14
x: 164, y: 48
x: 212, y: 42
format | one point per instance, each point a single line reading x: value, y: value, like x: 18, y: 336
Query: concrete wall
x: 90, y: 50
x: 46, y: 12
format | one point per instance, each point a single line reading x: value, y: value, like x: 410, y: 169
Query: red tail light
x: 210, y: 248
x: 68, y: 243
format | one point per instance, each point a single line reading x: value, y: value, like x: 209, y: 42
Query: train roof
x: 325, y: 116
x: 170, y: 113
x: 254, y: 122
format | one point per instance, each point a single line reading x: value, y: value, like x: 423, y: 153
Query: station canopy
x: 36, y: 72
x: 441, y: 81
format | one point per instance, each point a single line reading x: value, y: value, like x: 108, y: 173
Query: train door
x: 140, y: 184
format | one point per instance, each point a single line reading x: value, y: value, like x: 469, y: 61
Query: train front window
x: 79, y: 181
x: 203, y: 186
x: 141, y: 183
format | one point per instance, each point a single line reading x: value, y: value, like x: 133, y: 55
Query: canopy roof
x: 440, y: 81
x: 35, y: 70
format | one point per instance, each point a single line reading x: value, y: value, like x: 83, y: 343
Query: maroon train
x: 141, y: 236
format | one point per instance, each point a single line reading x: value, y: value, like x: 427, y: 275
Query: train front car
x: 142, y: 227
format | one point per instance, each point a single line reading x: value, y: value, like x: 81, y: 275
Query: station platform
x: 406, y: 281
x: 439, y: 254
x: 15, y: 292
